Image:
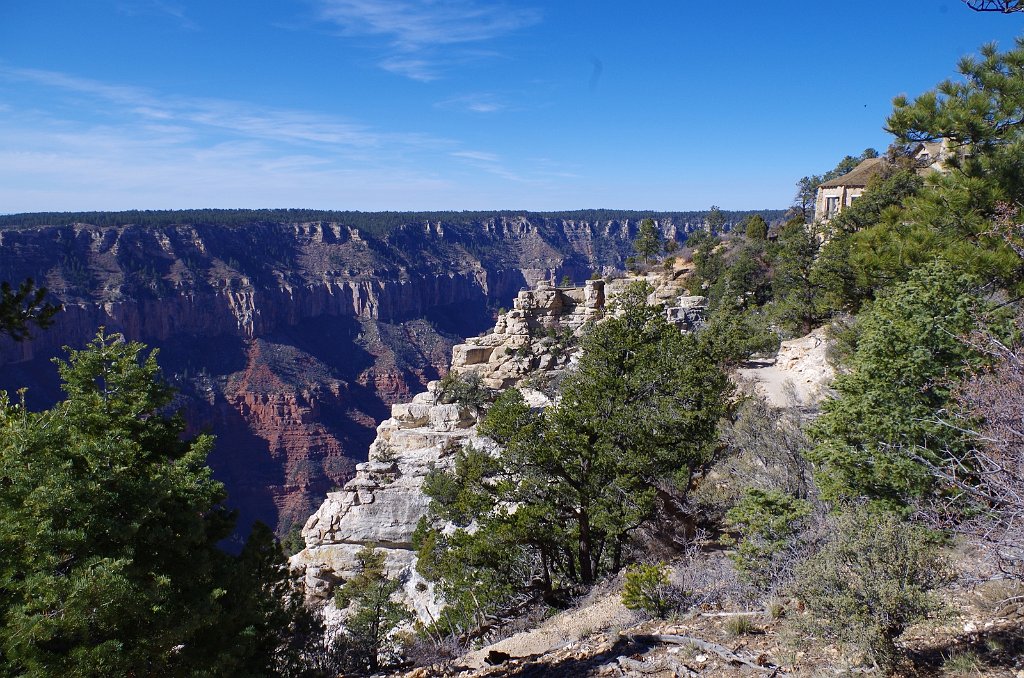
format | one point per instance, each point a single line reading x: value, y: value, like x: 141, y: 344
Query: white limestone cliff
x: 383, y: 503
x: 532, y: 336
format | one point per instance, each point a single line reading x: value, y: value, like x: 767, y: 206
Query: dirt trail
x: 800, y: 370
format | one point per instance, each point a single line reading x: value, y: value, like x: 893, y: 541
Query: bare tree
x: 997, y: 399
x: 1004, y: 6
x: 989, y: 478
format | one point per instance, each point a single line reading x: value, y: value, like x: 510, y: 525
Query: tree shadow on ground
x: 627, y: 646
x: 997, y: 648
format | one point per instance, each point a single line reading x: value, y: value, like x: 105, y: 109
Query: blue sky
x: 454, y: 104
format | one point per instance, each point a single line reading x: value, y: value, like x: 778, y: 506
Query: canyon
x: 290, y: 340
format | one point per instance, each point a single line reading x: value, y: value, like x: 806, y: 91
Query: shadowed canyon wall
x: 290, y: 341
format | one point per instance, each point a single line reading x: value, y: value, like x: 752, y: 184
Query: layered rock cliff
x: 291, y: 340
x: 381, y: 506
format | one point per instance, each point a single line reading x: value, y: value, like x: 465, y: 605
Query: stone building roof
x: 934, y: 149
x: 858, y: 176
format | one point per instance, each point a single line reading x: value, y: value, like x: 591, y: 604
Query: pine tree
x: 715, y: 220
x: 756, y: 228
x: 639, y: 412
x: 24, y: 307
x: 796, y: 294
x: 373, y: 614
x: 264, y: 629
x: 955, y: 216
x: 886, y: 417
x: 109, y: 523
x: 648, y: 240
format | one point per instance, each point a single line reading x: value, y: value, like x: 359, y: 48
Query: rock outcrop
x: 687, y: 312
x: 534, y: 336
x: 382, y: 505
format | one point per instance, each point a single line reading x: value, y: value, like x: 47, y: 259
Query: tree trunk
x: 586, y: 566
x: 547, y: 570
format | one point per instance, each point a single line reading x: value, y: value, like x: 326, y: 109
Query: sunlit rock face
x: 382, y: 505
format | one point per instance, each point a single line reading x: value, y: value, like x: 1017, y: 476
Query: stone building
x: 836, y: 194
x: 931, y: 156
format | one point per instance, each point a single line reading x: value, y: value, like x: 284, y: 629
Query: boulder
x: 450, y: 417
x: 410, y: 415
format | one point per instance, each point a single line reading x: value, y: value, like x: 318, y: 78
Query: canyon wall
x: 290, y: 341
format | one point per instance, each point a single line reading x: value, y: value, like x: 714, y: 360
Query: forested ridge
x: 377, y: 223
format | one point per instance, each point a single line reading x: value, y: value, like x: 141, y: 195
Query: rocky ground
x: 973, y: 636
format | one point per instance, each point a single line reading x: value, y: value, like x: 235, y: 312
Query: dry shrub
x: 423, y: 650
x: 709, y: 580
x: 998, y: 596
x: 993, y: 473
x: 871, y: 580
x: 762, y: 448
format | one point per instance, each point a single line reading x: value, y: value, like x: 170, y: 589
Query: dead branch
x: 1002, y: 6
x: 722, y: 651
x: 637, y: 666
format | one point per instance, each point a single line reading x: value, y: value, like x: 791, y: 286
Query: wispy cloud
x: 158, y: 7
x: 423, y: 70
x: 489, y: 162
x: 474, y: 103
x: 88, y: 170
x: 539, y: 173
x: 72, y: 143
x: 236, y: 117
x: 98, y: 145
x: 415, y: 24
x: 479, y: 156
x: 416, y: 29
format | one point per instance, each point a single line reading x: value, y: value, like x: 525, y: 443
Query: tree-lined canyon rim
x: 470, y: 338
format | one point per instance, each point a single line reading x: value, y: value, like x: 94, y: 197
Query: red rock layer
x: 289, y: 341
